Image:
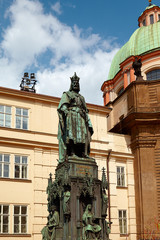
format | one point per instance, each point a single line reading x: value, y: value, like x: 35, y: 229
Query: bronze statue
x: 91, y: 230
x: 104, y: 203
x: 66, y: 202
x: 49, y: 231
x: 137, y: 65
x: 75, y: 128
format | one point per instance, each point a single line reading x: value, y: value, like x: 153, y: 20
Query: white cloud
x: 57, y: 8
x: 32, y: 34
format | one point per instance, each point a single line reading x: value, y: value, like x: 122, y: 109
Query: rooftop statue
x: 137, y: 65
x: 75, y: 128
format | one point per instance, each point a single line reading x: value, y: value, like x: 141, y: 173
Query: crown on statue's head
x: 75, y: 77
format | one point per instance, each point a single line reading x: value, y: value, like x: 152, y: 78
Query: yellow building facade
x: 29, y: 153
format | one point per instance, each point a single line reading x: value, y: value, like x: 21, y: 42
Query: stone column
x: 145, y: 182
x: 132, y: 74
x: 125, y: 79
x: 106, y: 97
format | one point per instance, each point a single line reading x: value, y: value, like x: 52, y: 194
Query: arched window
x: 120, y: 91
x: 151, y: 19
x: 144, y: 22
x: 153, y: 75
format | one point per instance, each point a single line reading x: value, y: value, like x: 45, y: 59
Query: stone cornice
x: 143, y: 143
x: 48, y: 99
x: 27, y: 143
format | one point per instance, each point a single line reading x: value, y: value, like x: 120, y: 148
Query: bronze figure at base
x: 91, y: 230
x: 48, y: 232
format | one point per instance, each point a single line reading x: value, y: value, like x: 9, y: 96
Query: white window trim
x: 122, y: 221
x: 20, y: 219
x: 4, y: 113
x: 21, y: 116
x: 2, y: 205
x: 121, y: 166
x: 20, y: 165
x: 3, y: 163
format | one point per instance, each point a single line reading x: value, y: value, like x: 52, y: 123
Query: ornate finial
x: 150, y: 2
x: 28, y: 83
x: 104, y: 180
x: 75, y: 77
x: 50, y: 175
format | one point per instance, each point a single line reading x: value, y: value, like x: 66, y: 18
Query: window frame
x: 4, y: 113
x: 121, y: 89
x: 151, y: 18
x: 122, y: 219
x: 20, y: 164
x: 120, y: 174
x: 144, y: 22
x: 22, y: 117
x: 20, y: 215
x: 3, y: 163
x: 2, y: 218
x: 150, y: 74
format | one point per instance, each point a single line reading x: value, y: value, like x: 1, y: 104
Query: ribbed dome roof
x: 144, y: 39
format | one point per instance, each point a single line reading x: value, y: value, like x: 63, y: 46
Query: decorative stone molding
x: 143, y: 143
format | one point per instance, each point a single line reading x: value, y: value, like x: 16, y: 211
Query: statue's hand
x: 66, y: 112
x: 91, y: 130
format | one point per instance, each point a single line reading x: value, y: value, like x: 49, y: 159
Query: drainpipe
x: 109, y: 211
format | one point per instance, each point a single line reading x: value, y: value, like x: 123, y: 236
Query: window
x: 22, y: 118
x: 120, y: 91
x: 153, y: 75
x: 21, y: 164
x: 4, y: 165
x: 120, y: 177
x: 151, y: 19
x: 158, y: 17
x: 5, y: 116
x: 122, y: 221
x: 144, y: 22
x: 4, y: 218
x: 128, y: 77
x: 20, y: 219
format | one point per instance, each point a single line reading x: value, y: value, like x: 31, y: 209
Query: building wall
x: 39, y: 143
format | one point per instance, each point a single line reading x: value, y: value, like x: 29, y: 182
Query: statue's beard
x: 75, y: 88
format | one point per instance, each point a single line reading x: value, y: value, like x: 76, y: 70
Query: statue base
x: 78, y: 167
x: 76, y: 192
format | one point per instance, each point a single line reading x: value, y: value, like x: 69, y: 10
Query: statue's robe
x: 49, y: 231
x: 88, y: 224
x: 74, y: 122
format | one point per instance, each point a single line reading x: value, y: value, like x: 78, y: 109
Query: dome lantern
x: 150, y: 15
x: 145, y: 43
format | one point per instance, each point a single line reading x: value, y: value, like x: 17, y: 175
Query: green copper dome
x: 143, y: 40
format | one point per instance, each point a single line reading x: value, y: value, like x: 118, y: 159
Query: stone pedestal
x: 75, y: 187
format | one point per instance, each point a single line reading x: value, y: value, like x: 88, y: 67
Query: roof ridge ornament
x: 150, y: 2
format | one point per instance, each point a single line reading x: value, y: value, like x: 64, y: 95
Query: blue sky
x: 56, y: 38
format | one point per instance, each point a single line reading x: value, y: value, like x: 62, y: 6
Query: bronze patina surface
x: 76, y: 193
x: 75, y: 128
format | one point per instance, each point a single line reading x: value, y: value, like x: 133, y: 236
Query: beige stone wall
x: 40, y: 144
